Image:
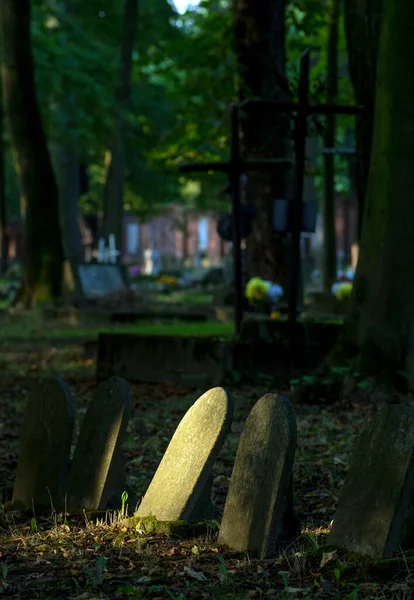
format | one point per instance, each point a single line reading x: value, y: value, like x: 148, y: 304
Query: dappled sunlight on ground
x: 58, y: 556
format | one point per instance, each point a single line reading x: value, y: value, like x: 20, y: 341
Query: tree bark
x: 362, y: 23
x: 260, y: 47
x: 114, y: 184
x: 66, y: 167
x: 43, y: 245
x: 4, y: 242
x: 381, y: 313
x: 329, y: 253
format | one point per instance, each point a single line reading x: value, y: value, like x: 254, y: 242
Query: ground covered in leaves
x: 58, y: 556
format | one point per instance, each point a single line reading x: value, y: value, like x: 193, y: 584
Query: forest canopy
x: 184, y: 77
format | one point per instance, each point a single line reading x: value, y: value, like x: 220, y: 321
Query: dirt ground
x: 58, y: 556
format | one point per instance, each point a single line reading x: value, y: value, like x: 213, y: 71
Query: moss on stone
x: 146, y: 526
x: 14, y: 506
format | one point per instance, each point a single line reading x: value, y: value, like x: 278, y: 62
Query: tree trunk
x: 381, y: 314
x: 43, y: 245
x: 329, y: 253
x: 114, y: 184
x: 260, y: 47
x: 4, y: 242
x: 66, y: 166
x: 186, y: 234
x: 362, y: 20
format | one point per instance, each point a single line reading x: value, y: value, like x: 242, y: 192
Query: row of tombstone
x: 375, y: 515
x: 95, y: 476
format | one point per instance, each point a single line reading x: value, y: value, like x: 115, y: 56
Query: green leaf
x: 404, y: 374
x: 309, y: 378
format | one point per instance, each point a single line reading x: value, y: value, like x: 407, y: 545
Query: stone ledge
x: 212, y: 361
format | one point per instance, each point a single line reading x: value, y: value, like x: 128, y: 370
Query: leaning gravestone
x: 97, y: 473
x: 375, y: 512
x: 45, y: 447
x: 258, y: 510
x: 181, y: 487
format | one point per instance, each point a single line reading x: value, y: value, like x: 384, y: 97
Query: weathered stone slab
x: 99, y: 280
x: 375, y: 512
x: 211, y: 361
x: 97, y: 473
x: 45, y: 444
x: 192, y: 360
x: 182, y: 483
x: 258, y: 509
x: 90, y: 282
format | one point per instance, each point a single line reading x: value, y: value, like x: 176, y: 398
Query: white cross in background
x: 107, y: 254
x: 182, y: 5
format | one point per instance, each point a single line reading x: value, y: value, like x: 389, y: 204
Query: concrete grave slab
x: 258, y: 510
x: 97, y: 472
x: 45, y: 445
x: 181, y: 486
x: 375, y: 511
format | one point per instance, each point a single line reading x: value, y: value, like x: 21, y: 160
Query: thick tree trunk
x: 43, y: 246
x: 114, y: 184
x: 329, y: 271
x: 260, y: 47
x: 4, y: 242
x: 66, y: 166
x: 362, y: 20
x: 381, y: 315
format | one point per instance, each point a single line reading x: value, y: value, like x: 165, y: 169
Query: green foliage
x: 306, y: 26
x: 33, y: 526
x: 184, y: 77
x: 124, y: 499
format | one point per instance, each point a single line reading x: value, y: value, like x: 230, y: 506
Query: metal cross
x: 237, y: 165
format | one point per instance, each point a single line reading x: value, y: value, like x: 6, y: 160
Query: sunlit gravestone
x: 258, y: 513
x: 45, y: 446
x: 97, y: 475
x: 181, y: 486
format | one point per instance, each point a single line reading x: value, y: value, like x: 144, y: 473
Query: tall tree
x: 4, y: 245
x: 65, y: 161
x: 260, y: 47
x: 329, y: 271
x: 114, y: 183
x: 43, y: 245
x: 362, y: 22
x: 381, y: 316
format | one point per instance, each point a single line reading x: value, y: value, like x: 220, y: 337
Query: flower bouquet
x: 265, y: 294
x: 167, y: 283
x: 343, y: 287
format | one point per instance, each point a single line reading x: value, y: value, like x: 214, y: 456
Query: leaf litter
x: 71, y: 557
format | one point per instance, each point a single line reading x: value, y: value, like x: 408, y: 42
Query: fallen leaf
x: 195, y: 574
x: 327, y: 557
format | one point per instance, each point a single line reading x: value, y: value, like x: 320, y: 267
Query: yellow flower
x: 343, y: 291
x: 256, y: 289
x: 167, y: 280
